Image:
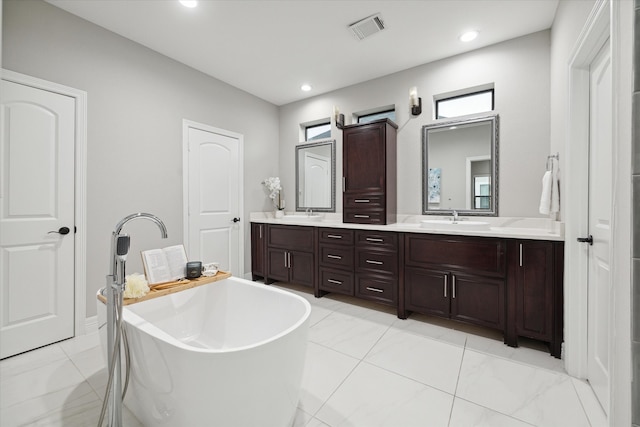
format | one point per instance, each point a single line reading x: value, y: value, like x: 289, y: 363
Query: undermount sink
x: 301, y: 217
x: 453, y: 225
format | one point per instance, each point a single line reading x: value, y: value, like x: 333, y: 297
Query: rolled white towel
x: 547, y: 189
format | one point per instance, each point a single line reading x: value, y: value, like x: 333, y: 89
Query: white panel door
x: 600, y: 205
x: 214, y: 190
x: 36, y: 201
x: 317, y: 181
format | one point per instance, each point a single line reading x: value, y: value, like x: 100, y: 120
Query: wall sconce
x: 415, y: 101
x: 339, y: 118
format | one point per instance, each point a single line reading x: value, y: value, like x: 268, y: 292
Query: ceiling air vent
x: 367, y: 26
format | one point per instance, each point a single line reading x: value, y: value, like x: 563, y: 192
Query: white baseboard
x: 90, y: 325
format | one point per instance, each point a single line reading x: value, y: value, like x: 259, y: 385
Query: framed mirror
x: 316, y: 176
x: 460, y: 167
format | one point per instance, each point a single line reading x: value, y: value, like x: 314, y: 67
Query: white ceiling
x: 270, y: 48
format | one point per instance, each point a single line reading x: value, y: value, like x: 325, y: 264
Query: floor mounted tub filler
x: 229, y: 353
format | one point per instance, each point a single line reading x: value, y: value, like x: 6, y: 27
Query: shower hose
x: 121, y: 335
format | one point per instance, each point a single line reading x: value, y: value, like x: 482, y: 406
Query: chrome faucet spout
x: 150, y: 217
x: 455, y: 215
x: 116, y: 234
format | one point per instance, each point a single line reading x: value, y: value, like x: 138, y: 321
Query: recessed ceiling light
x: 468, y: 36
x: 305, y: 87
x: 189, y: 3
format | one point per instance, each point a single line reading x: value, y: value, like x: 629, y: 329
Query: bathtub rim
x: 134, y: 320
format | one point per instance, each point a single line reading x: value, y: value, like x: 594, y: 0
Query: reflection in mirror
x: 316, y: 176
x: 460, y: 167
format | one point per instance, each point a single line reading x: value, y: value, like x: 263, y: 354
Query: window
x: 388, y: 114
x: 482, y: 192
x: 317, y: 131
x: 468, y: 103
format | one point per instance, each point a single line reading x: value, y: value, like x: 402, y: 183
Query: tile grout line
x: 455, y: 390
x: 586, y: 414
x: 360, y: 361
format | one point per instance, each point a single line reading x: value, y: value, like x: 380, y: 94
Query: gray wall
x: 569, y: 20
x: 137, y: 100
x: 519, y: 68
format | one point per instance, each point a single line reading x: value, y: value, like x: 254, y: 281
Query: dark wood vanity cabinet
x: 461, y: 278
x: 335, y: 260
x: 376, y: 266
x: 369, y: 172
x: 512, y: 285
x: 290, y: 254
x: 359, y: 263
x: 258, y: 250
x: 535, y: 292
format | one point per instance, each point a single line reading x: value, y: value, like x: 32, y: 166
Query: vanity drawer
x: 377, y: 261
x: 478, y: 255
x: 291, y: 237
x: 364, y: 216
x: 377, y: 288
x: 360, y: 201
x: 336, y: 236
x: 377, y: 239
x: 336, y: 256
x: 336, y: 281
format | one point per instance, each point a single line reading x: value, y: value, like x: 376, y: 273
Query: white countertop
x: 506, y: 227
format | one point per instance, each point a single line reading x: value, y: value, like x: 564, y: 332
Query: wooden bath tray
x: 173, y: 287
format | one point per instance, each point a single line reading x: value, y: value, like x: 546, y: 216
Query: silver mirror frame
x: 299, y: 147
x: 493, y: 211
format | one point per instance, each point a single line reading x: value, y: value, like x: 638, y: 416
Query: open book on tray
x: 165, y: 265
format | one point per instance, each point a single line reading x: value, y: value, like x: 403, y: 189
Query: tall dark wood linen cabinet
x: 369, y: 172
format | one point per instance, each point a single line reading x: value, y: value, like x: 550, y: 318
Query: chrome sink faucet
x: 455, y: 216
x: 309, y: 211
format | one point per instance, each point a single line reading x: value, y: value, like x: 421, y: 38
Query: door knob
x: 61, y: 230
x: 588, y: 240
x: 236, y: 219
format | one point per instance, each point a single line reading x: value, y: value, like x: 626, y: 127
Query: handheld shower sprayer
x: 122, y: 246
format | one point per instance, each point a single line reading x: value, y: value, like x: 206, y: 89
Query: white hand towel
x: 555, y: 192
x: 545, y: 198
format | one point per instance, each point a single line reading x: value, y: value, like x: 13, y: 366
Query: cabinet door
x: 277, y: 264
x: 427, y: 291
x: 258, y: 265
x: 364, y: 161
x: 534, y: 290
x: 301, y: 268
x: 478, y: 300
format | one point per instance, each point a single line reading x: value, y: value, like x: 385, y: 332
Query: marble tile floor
x: 365, y: 368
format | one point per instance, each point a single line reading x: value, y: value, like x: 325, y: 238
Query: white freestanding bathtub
x: 230, y: 353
